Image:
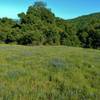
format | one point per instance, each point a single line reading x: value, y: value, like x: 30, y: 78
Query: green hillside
x: 39, y: 26
x: 49, y: 73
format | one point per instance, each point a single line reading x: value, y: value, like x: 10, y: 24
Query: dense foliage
x: 88, y: 30
x: 39, y: 26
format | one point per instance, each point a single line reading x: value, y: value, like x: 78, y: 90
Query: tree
x: 40, y: 26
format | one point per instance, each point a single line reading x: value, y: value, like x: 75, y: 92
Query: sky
x: 66, y: 9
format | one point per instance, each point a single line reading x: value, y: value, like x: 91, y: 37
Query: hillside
x: 87, y: 17
x: 39, y: 26
x: 49, y: 73
x: 88, y: 29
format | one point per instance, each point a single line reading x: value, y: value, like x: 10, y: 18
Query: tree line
x: 39, y: 26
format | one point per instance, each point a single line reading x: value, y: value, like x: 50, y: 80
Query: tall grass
x: 49, y: 73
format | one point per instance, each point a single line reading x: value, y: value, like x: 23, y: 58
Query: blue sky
x: 62, y: 8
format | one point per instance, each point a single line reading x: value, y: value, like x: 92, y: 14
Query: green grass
x: 49, y: 73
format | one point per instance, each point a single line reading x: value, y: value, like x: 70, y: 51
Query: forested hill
x: 88, y: 29
x: 86, y: 17
x: 39, y: 26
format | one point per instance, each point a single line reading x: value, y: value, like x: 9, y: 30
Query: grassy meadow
x: 49, y: 73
